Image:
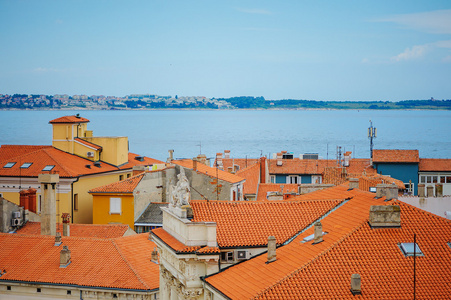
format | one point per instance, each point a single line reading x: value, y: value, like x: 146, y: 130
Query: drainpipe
x: 72, y: 198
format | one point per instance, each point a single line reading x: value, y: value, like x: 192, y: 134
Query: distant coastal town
x: 151, y: 101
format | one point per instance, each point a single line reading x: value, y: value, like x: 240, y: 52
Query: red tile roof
x: 300, y: 166
x: 69, y: 119
x: 265, y: 188
x: 80, y: 230
x: 396, y: 156
x: 66, y: 164
x: 241, y: 162
x: 212, y: 172
x: 249, y: 223
x: 434, y: 165
x: 252, y: 176
x: 122, y: 263
x: 124, y: 186
x: 173, y: 243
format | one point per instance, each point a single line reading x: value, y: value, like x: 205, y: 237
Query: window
x: 9, y: 165
x: 273, y: 178
x: 75, y: 201
x: 408, y: 249
x: 409, y: 188
x: 26, y: 165
x: 8, y: 288
x: 69, y: 292
x: 227, y: 256
x: 434, y: 179
x: 292, y: 179
x: 115, y: 205
x: 121, y: 177
x: 428, y: 179
x: 422, y: 179
x: 128, y: 175
x: 38, y: 290
x: 448, y: 179
x: 442, y: 179
x: 48, y: 168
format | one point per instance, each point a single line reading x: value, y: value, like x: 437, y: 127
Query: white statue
x: 181, y: 192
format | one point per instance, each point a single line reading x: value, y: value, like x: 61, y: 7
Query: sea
x: 246, y: 133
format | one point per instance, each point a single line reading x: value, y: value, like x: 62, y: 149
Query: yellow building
x: 81, y: 160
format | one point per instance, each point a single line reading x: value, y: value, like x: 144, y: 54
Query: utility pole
x: 372, y: 133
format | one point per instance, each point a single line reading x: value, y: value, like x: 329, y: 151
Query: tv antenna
x: 372, y: 133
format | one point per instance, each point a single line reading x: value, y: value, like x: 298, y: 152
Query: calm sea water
x: 247, y: 133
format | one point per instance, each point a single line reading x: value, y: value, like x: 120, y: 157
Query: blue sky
x: 317, y: 50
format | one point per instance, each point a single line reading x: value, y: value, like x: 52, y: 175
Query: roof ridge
x: 291, y: 274
x: 128, y: 264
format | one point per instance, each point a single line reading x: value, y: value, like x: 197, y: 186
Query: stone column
x: 48, y: 211
x: 430, y: 191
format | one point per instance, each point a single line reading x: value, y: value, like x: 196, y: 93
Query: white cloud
x: 419, y: 51
x: 438, y: 21
x: 447, y: 59
x: 254, y: 11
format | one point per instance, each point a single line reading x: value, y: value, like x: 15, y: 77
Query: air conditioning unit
x: 16, y: 222
x: 309, y: 156
x: 241, y: 254
x: 16, y: 214
x: 90, y: 154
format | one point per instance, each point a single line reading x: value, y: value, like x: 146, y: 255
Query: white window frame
x: 230, y: 257
x: 291, y: 177
x: 410, y: 187
x: 273, y: 178
x: 115, y: 206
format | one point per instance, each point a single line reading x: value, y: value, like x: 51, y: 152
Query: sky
x: 315, y: 50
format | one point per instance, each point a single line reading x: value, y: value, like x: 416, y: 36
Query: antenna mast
x: 372, y: 133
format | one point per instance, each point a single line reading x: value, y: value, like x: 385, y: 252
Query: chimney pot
x: 171, y: 155
x: 271, y: 249
x: 356, y: 287
x: 279, y: 159
x: 226, y: 153
x: 318, y: 233
x: 389, y: 191
x: 385, y: 216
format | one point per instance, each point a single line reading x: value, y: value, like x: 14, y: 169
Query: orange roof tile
x: 265, y: 188
x: 243, y: 163
x: 249, y: 223
x: 300, y: 166
x: 122, y: 263
x: 434, y: 165
x: 212, y: 172
x: 254, y: 277
x: 172, y: 242
x: 396, y: 156
x: 252, y: 176
x: 80, y: 230
x: 124, y: 186
x: 69, y: 119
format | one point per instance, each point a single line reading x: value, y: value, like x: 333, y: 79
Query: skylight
x: 408, y: 249
x: 48, y: 168
x: 9, y: 165
x: 26, y: 165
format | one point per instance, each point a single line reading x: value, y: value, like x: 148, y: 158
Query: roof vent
x: 356, y: 287
x: 97, y: 164
x: 88, y: 166
x: 385, y: 216
x: 139, y: 158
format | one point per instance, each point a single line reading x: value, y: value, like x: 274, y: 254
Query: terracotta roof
x: 146, y: 161
x: 80, y: 230
x: 241, y: 162
x: 396, y: 156
x: 336, y: 192
x: 65, y: 164
x: 265, y: 188
x: 254, y: 277
x: 173, y: 243
x: 69, y: 119
x: 212, y: 172
x: 124, y: 186
x: 435, y: 164
x: 249, y: 223
x: 89, y: 144
x: 122, y: 263
x: 300, y: 166
x: 252, y: 176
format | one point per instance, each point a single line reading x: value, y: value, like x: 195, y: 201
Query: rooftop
x: 396, y: 156
x: 212, y: 172
x: 80, y: 230
x: 69, y: 119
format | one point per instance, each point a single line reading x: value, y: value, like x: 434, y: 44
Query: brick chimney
x: 48, y: 212
x: 356, y: 288
x: 385, y: 216
x: 66, y: 224
x: 353, y: 183
x: 24, y: 199
x: 64, y: 257
x: 226, y: 153
x: 279, y: 159
x: 318, y: 233
x: 219, y: 160
x: 32, y: 200
x: 262, y: 169
x: 271, y: 249
x: 389, y: 191
x: 195, y: 164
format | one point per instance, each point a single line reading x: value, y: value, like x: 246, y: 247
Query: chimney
x: 58, y: 240
x: 226, y: 153
x: 271, y: 249
x: 356, y: 288
x: 202, y: 158
x: 318, y: 233
x: 353, y: 183
x: 195, y: 164
x: 262, y: 169
x: 219, y: 160
x: 171, y: 156
x: 66, y: 221
x: 32, y: 200
x: 24, y: 199
x: 389, y: 191
x: 48, y: 212
x: 138, y: 170
x: 385, y: 216
x: 64, y: 257
x: 279, y: 159
x: 430, y: 191
x: 154, y: 256
x: 421, y: 193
